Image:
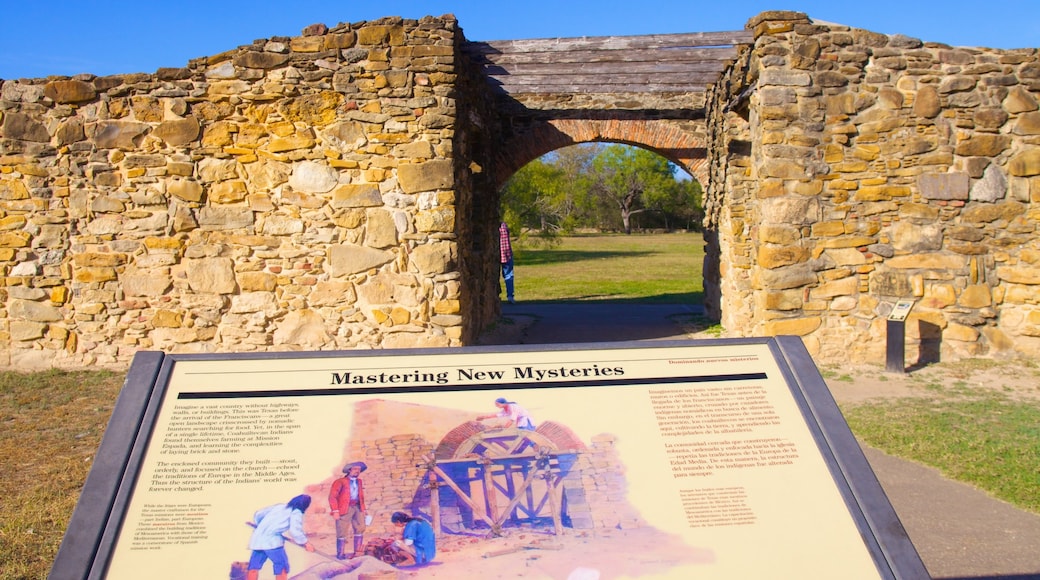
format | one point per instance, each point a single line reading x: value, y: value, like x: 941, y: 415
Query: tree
x: 633, y: 181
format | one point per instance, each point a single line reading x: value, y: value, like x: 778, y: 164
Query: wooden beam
x: 611, y: 68
x: 634, y: 55
x: 600, y: 88
x: 686, y: 40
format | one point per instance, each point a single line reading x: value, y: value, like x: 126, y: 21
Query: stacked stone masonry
x: 338, y: 190
x: 851, y: 169
x: 296, y: 193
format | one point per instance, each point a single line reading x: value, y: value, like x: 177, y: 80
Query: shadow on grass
x: 691, y: 298
x: 530, y: 257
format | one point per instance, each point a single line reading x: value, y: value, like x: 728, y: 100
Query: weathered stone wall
x: 851, y: 169
x: 296, y: 193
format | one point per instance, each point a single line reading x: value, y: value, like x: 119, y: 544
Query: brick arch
x: 671, y: 141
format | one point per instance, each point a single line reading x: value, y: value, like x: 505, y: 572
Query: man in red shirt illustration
x: 347, y: 503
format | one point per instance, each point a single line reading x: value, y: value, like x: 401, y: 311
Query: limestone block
x: 1027, y: 124
x: 69, y: 131
x: 437, y: 220
x: 1019, y: 275
x: 21, y: 330
x: 185, y: 189
x: 843, y: 287
x: 976, y: 296
x: 316, y: 110
x: 356, y: 195
x: 992, y: 187
x: 69, y: 91
x: 960, y: 332
x: 434, y: 258
x: 1019, y: 100
x: 232, y: 191
x: 772, y: 256
x: 415, y: 340
x: 118, y: 134
x: 380, y: 231
x: 347, y: 259
x: 167, y: 319
x: 99, y: 259
x: 257, y: 281
x: 213, y: 218
x: 930, y: 261
x: 1025, y: 164
x: 212, y: 169
x: 260, y: 60
x: 792, y: 326
x: 312, y: 177
x: 927, y: 104
x: 265, y: 303
x: 783, y: 278
x: 790, y: 211
x: 290, y: 143
x: 910, y: 237
x: 20, y: 93
x: 145, y: 284
x: 983, y: 145
x: 25, y: 128
x: 278, y: 225
x: 33, y: 311
x: 986, y: 213
x: 944, y: 186
x: 998, y: 340
x: 938, y: 296
x: 332, y: 294
x: 179, y: 132
x: 210, y: 275
x: 302, y: 327
x: 426, y: 176
x: 782, y: 234
x: 783, y: 300
x: 13, y: 189
x: 267, y: 174
x: 845, y: 256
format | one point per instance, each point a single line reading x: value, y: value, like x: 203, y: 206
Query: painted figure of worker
x: 417, y: 537
x: 268, y: 541
x: 347, y: 504
x: 514, y: 415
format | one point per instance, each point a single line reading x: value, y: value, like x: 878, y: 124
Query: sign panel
x: 706, y: 459
x: 901, y: 310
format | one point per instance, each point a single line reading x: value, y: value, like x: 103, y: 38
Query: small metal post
x: 895, y: 346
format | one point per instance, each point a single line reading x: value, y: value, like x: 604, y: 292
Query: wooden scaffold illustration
x: 503, y: 477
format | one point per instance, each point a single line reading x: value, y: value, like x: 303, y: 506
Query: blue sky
x: 66, y: 37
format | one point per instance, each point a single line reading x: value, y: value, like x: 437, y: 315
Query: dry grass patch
x: 52, y: 424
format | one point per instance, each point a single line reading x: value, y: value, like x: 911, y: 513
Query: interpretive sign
x: 679, y: 459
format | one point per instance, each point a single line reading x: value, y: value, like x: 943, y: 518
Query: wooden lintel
x: 609, y: 68
x: 685, y: 40
x: 639, y: 55
x: 601, y: 88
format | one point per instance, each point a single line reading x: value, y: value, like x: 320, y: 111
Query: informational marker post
x: 683, y: 459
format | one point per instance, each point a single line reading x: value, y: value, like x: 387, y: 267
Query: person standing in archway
x: 506, y: 252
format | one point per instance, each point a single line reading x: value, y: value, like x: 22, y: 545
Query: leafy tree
x: 599, y: 186
x: 633, y: 181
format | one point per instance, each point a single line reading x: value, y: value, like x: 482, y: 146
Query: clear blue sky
x: 66, y: 37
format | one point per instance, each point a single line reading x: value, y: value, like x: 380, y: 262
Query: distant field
x: 661, y: 268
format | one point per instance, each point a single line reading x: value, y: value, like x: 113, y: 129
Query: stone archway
x: 678, y: 142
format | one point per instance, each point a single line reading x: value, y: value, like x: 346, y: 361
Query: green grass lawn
x: 651, y: 268
x: 982, y: 438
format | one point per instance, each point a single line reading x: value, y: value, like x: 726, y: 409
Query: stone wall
x: 851, y: 169
x: 296, y: 193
